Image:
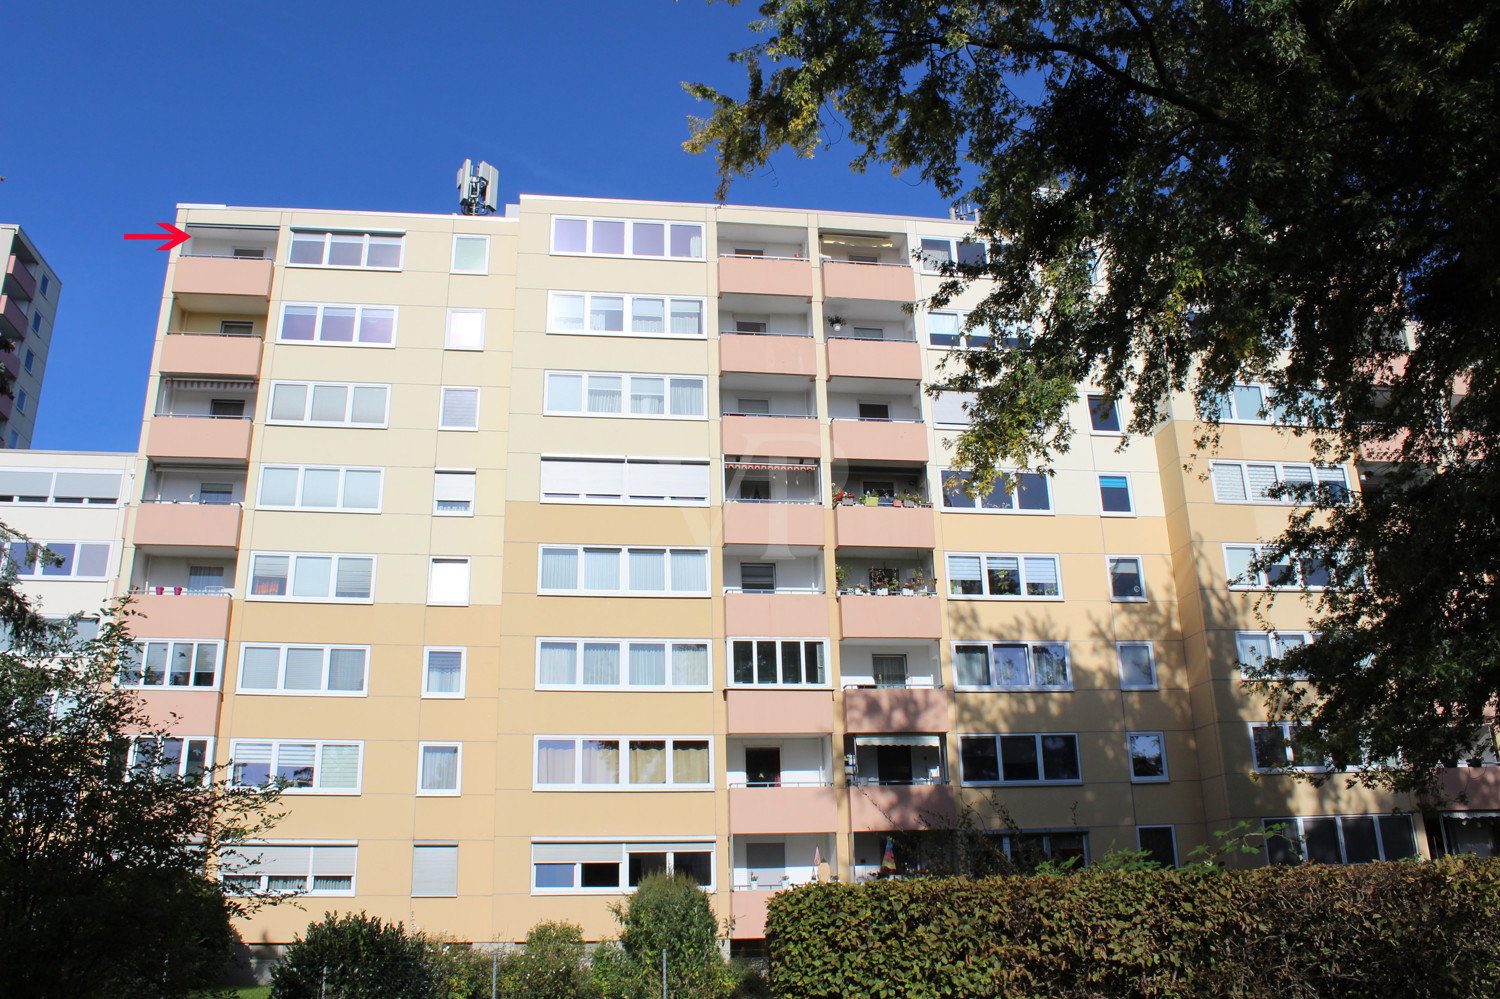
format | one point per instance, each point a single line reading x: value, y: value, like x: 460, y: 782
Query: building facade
x: 29, y: 291
x: 544, y: 551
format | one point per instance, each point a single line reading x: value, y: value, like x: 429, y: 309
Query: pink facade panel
x: 760, y: 810
x: 1478, y: 786
x: 749, y: 911
x: 879, y: 440
x: 885, y: 807
x: 196, y: 711
x: 187, y: 525
x: 884, y: 526
x: 222, y: 276
x: 779, y: 712
x: 895, y: 709
x: 792, y: 615
x: 872, y: 616
x: 16, y: 272
x: 198, y: 437
x: 765, y: 276
x: 169, y: 614
x: 772, y: 436
x: 880, y: 282
x: 210, y: 354
x: 768, y: 353
x: 858, y: 358
x: 773, y: 523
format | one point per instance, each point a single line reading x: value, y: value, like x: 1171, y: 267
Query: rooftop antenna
x: 478, y: 189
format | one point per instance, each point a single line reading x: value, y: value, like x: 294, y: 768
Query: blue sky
x: 372, y: 105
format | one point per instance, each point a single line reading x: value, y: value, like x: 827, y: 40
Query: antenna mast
x: 478, y: 189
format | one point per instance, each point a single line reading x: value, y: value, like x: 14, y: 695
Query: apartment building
x: 544, y: 551
x: 28, y: 307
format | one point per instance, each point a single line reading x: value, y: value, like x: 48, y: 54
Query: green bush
x: 356, y: 957
x: 670, y: 914
x: 1306, y: 932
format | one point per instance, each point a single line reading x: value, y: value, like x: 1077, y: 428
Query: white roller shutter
x: 575, y: 477
x: 667, y: 479
x: 1229, y: 484
x: 434, y: 871
x: 576, y: 853
x: 457, y: 487
x: 14, y: 483
x: 88, y: 485
x: 292, y: 860
x: 335, y: 861
x: 948, y: 408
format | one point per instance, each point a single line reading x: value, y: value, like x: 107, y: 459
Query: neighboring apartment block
x: 29, y: 291
x: 544, y: 551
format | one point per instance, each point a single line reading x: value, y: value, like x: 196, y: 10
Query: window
x: 172, y: 663
x: 227, y: 409
x: 460, y: 409
x: 1159, y: 843
x: 611, y: 763
x: 171, y: 756
x: 951, y: 329
x: 303, y: 669
x: 1114, y: 495
x: 471, y: 254
x: 940, y: 250
x: 599, y: 314
x: 1148, y: 756
x: 21, y: 401
x: 785, y: 662
x: 1255, y: 647
x: 627, y: 238
x: 1288, y: 574
x: 465, y: 329
x: 1012, y: 665
x: 309, y: 487
x: 621, y: 664
x: 434, y: 870
x: 330, y: 578
x: 14, y: 440
x: 951, y: 409
x: 1137, y: 666
x: 1019, y: 759
x: 453, y: 493
x: 236, y: 327
x: 443, y: 672
x: 758, y: 577
x: 1056, y: 846
x: 1104, y: 415
x: 441, y: 768
x: 248, y: 252
x: 206, y: 579
x: 652, y: 481
x: 598, y: 393
x: 874, y: 411
x: 1028, y: 492
x: 36, y: 321
x: 1252, y: 482
x: 624, y: 571
x: 376, y: 251
x: 291, y: 867
x: 1340, y: 839
x: 351, y: 325
x: 1011, y: 577
x: 1274, y: 746
x: 610, y: 868
x: 1125, y: 580
x: 308, y: 767
x: 42, y: 284
x: 19, y: 485
x: 448, y: 582
x: 216, y: 494
x: 1246, y: 404
x: 329, y: 404
x: 30, y: 361
x: 79, y: 559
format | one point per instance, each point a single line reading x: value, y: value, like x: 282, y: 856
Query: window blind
x: 1229, y: 484
x: 460, y: 408
x: 434, y: 871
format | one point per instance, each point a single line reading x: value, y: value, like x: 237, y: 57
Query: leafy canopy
x: 1301, y: 193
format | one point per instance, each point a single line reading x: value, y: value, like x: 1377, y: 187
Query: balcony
x: 12, y: 318
x: 761, y: 712
x: 11, y: 363
x: 895, y: 709
x: 210, y: 354
x: 770, y: 523
x: 748, y: 908
x: 18, y: 280
x: 763, y: 275
x: 169, y: 612
x: 759, y: 810
x: 782, y: 436
x: 880, y: 282
x: 888, y: 807
x: 858, y: 525
x: 864, y: 615
x: 858, y: 357
x: 776, y: 615
x: 879, y: 440
x: 770, y: 353
x: 187, y: 525
x: 222, y: 284
x: 198, y: 438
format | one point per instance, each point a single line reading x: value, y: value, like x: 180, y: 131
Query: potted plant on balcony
x: 843, y: 498
x: 870, y: 499
x: 841, y: 577
x: 915, y: 583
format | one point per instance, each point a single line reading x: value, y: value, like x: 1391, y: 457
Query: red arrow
x: 172, y: 237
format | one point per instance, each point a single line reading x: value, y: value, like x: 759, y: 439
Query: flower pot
x: 847, y: 501
x: 907, y: 591
x: 882, y: 591
x: 870, y: 500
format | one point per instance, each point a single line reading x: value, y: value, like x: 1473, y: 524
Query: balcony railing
x: 772, y: 878
x: 779, y: 590
x: 190, y: 590
x: 783, y: 783
x: 929, y: 781
x: 762, y: 333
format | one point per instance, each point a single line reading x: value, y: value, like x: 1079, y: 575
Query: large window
x: 1275, y: 746
x: 645, y: 481
x: 1289, y: 574
x: 69, y: 559
x: 374, y: 251
x: 621, y: 664
x: 610, y: 763
x: 951, y: 329
x: 312, y: 487
x: 599, y: 314
x: 168, y: 662
x: 1028, y: 492
x: 440, y: 770
x: 939, y: 250
x: 1019, y: 759
x: 587, y: 569
x: 303, y: 669
x: 171, y: 756
x: 1255, y: 647
x: 1340, y: 839
x: 40, y: 485
x: 349, y: 325
x: 1252, y: 481
x: 1012, y: 666
x: 1248, y: 404
x: 627, y: 238
x: 329, y: 404
x: 603, y: 393
x: 321, y: 578
x: 610, y: 868
x: 307, y: 767
x: 1014, y: 577
x: 772, y: 662
x: 313, y: 869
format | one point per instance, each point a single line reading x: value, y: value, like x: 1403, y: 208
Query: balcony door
x: 890, y: 670
x: 767, y: 863
x: 763, y: 767
x: 893, y: 764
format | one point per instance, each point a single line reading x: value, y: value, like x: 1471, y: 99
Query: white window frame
x: 292, y: 558
x: 281, y: 690
x: 1000, y: 760
x: 473, y: 474
x: 600, y: 499
x: 1161, y: 743
x: 319, y: 744
x: 1277, y: 647
x: 623, y: 658
x: 1261, y: 580
x: 623, y: 750
x: 432, y: 564
x: 689, y: 844
x: 443, y: 405
x: 932, y: 266
x: 731, y: 682
x: 968, y: 339
x: 1031, y: 647
x: 245, y: 850
x: 1129, y: 493
x: 1281, y: 466
x: 448, y: 343
x: 484, y: 268
x: 589, y: 220
x: 1109, y: 579
x: 1229, y: 410
x: 52, y: 499
x: 624, y: 572
x: 302, y: 471
x: 321, y: 307
x: 328, y: 235
x: 141, y: 643
x: 628, y: 303
x: 1287, y: 731
x: 1088, y: 409
x: 463, y: 672
x: 208, y: 753
x: 307, y: 421
x: 625, y: 394
x: 1150, y: 648
x: 458, y: 775
x: 38, y: 571
x: 984, y: 576
x: 978, y: 501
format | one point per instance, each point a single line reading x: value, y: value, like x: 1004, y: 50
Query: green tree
x: 1301, y: 193
x: 355, y: 957
x: 671, y: 914
x: 105, y: 850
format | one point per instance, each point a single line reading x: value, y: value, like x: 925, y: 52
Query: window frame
x: 52, y: 499
x: 321, y: 307
x: 622, y: 552
x: 623, y: 646
x: 1171, y: 832
x: 979, y: 507
x: 1251, y: 499
x: 626, y: 499
x: 625, y: 843
x: 623, y: 751
x: 1301, y: 835
x: 1088, y: 403
x: 39, y: 570
x: 463, y: 673
x: 443, y: 406
x: 347, y: 423
x: 990, y: 644
x: 246, y: 848
x: 627, y: 305
x: 1150, y: 647
x: 209, y: 741
x: 302, y: 471
x: 625, y: 392
x: 319, y: 745
x: 984, y: 576
x: 292, y: 571
x: 448, y: 343
x: 1140, y: 569
x: 1129, y: 494
x: 328, y: 235
x: 458, y: 770
x: 1288, y: 729
x: 141, y: 643
x: 484, y: 268
x: 1000, y: 760
x: 468, y: 564
x: 472, y: 473
x: 281, y: 690
x: 630, y: 223
x: 777, y: 640
x: 1262, y: 581
x: 1161, y: 744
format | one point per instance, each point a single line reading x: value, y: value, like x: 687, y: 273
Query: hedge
x: 1376, y: 930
